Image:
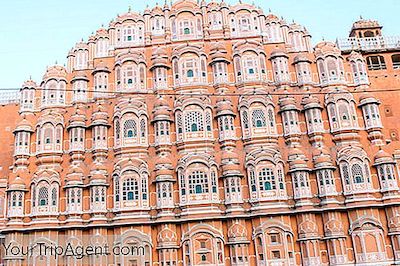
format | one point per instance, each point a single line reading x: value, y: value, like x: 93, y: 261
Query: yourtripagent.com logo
x: 70, y: 250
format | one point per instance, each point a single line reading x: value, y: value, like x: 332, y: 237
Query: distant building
x: 208, y: 134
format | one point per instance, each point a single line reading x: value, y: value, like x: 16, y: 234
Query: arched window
x: 130, y: 128
x: 245, y: 119
x: 130, y: 189
x: 357, y: 173
x: 198, y: 182
x: 189, y: 73
x: 258, y: 118
x: 266, y: 179
x: 54, y: 196
x: 43, y: 197
x: 194, y: 121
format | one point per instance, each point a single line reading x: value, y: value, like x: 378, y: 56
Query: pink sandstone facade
x: 207, y: 134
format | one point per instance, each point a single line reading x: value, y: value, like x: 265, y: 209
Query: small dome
x: 297, y: 159
x: 99, y: 115
x: 24, y: 125
x: 157, y: 10
x: 16, y: 183
x: 271, y: 17
x: 229, y: 155
x: 367, y: 98
x: 310, y: 101
x: 161, y: 102
x: 147, y: 10
x: 355, y: 56
x: 163, y: 160
x: 130, y: 15
x: 159, y: 58
x: 287, y: 102
x: 326, y: 48
x: 29, y: 84
x: 277, y: 52
x: 322, y: 158
x: 382, y: 157
x: 224, y: 107
x: 56, y: 71
x: 302, y: 58
x: 231, y: 168
x: 161, y: 111
x: 365, y: 24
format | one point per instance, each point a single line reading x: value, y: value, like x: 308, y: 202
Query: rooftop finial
x: 270, y: 11
x: 129, y: 9
x: 361, y: 17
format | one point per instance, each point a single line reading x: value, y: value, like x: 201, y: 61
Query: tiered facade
x: 208, y: 134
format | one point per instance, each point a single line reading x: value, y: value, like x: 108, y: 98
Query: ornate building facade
x: 208, y: 134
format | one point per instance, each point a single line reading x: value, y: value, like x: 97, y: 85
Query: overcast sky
x: 37, y: 33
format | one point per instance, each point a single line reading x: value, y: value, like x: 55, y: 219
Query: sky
x: 37, y: 33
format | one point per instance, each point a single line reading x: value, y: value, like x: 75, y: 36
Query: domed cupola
x: 27, y: 96
x: 322, y: 159
x: 313, y: 113
x: 54, y: 86
x: 232, y: 175
x: 300, y: 176
x: 55, y: 72
x: 161, y: 110
x: 302, y: 63
x: 226, y: 119
x: 99, y: 125
x: 280, y: 66
x: 16, y: 196
x: 98, y: 188
x: 147, y: 11
x: 165, y: 180
x: 330, y: 64
x: 162, y: 122
x: 24, y: 125
x: 74, y: 190
x: 297, y: 160
x: 159, y: 66
x: 372, y: 118
x: 323, y: 167
x: 230, y: 163
x: 219, y: 63
x: 74, y: 176
x: 99, y: 116
x: 290, y: 118
x: 359, y: 69
x: 16, y: 183
x: 385, y: 166
x: 22, y: 135
x: 163, y: 168
x: 98, y: 174
x: 78, y: 118
x: 76, y: 130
